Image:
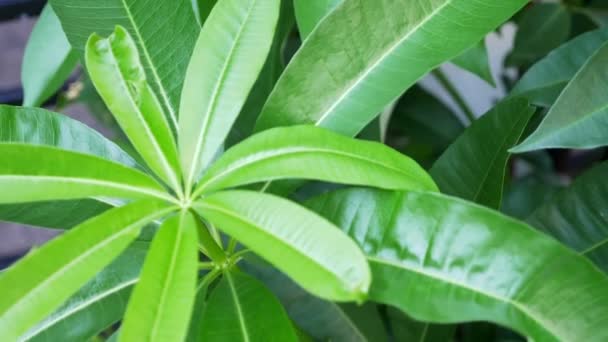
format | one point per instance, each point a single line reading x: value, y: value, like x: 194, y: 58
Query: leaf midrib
x: 237, y: 306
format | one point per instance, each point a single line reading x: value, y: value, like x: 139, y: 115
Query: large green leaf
x: 474, y: 166
x: 383, y: 54
x: 476, y: 61
x: 98, y: 305
x: 165, y: 32
x: 227, y: 59
x: 545, y: 80
x: 48, y: 60
x: 162, y: 301
x: 541, y: 28
x: 579, y: 116
x: 445, y: 260
x: 119, y: 77
x: 577, y: 216
x: 40, y: 173
x: 310, y: 12
x: 298, y: 242
x: 46, y: 277
x: 289, y: 152
x: 241, y: 308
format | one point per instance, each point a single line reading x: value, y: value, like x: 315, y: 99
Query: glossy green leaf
x: 576, y: 216
x: 241, y: 308
x: 162, y: 301
x: 42, y: 173
x: 48, y: 60
x: 579, y: 116
x: 227, y: 59
x: 474, y: 166
x: 407, y: 329
x: 98, y: 305
x: 445, y: 260
x: 545, y: 80
x: 541, y: 28
x: 298, y: 242
x: 310, y: 12
x: 289, y: 152
x: 165, y: 32
x: 476, y: 61
x: 50, y: 275
x: 323, y: 320
x: 316, y: 87
x: 119, y: 77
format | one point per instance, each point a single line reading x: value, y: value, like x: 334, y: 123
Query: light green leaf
x: 241, y: 308
x: 289, y: 152
x: 48, y: 60
x: 476, y: 61
x: 97, y: 305
x: 541, y: 28
x: 576, y: 216
x: 162, y: 301
x: 545, y: 80
x: 227, y: 59
x: 445, y: 260
x: 165, y: 32
x: 310, y: 12
x: 301, y: 244
x: 119, y: 77
x: 42, y: 173
x: 579, y: 116
x: 50, y: 275
x: 474, y: 166
x: 316, y: 87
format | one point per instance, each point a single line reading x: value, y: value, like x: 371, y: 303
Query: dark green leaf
x: 476, y: 61
x: 407, y: 329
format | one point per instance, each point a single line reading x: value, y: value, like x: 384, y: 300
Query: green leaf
x: 541, y: 28
x: 48, y: 60
x: 98, y: 305
x: 316, y: 87
x: 310, y: 12
x: 241, y: 308
x: 119, y: 77
x: 301, y: 244
x: 227, y: 59
x: 53, y: 214
x: 42, y: 173
x: 46, y: 277
x: 576, y: 216
x: 476, y: 61
x: 524, y: 195
x: 289, y: 152
x: 323, y: 320
x: 165, y: 32
x: 162, y: 301
x: 474, y: 166
x: 202, y: 9
x: 445, y: 260
x: 545, y: 80
x: 407, y: 329
x: 579, y: 116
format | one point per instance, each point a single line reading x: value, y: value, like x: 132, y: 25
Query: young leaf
x: 476, y: 61
x: 545, y: 80
x: 542, y: 28
x: 97, y: 305
x: 317, y: 88
x: 445, y: 260
x: 162, y: 301
x: 42, y: 173
x: 46, y: 277
x: 307, y: 248
x: 48, y: 60
x: 227, y: 59
x: 576, y: 216
x: 579, y: 116
x: 119, y: 77
x: 289, y: 152
x: 474, y: 166
x: 241, y: 308
x: 165, y: 32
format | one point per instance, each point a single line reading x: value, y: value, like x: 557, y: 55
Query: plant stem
x: 212, y: 249
x: 454, y: 94
x: 206, y: 265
